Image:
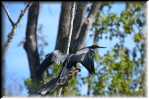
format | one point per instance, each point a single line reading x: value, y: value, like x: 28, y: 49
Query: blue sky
x: 16, y: 66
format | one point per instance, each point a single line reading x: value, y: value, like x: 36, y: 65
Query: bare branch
x: 23, y: 12
x: 9, y: 40
x: 14, y: 26
x: 8, y: 15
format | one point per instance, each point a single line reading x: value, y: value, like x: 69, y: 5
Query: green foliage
x: 32, y: 86
x: 138, y: 37
x: 119, y: 77
x: 128, y: 29
x: 56, y: 70
x: 97, y: 56
x: 70, y: 89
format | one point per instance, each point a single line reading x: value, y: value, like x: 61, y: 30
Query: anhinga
x: 83, y: 56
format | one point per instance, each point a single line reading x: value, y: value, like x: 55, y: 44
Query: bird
x: 84, y: 56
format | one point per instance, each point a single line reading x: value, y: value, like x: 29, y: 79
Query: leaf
x: 128, y: 28
x: 115, y: 66
x: 138, y: 6
x: 106, y: 20
x: 97, y: 57
x: 138, y: 37
x: 108, y: 59
x: 126, y: 14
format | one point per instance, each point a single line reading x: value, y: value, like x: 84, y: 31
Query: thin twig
x: 14, y: 26
x: 8, y: 15
x: 23, y: 12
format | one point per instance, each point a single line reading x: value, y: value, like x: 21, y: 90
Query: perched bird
x: 83, y: 56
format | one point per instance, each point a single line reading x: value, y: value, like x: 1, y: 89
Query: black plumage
x: 83, y: 56
x: 55, y: 57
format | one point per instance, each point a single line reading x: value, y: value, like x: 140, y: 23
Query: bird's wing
x: 50, y: 59
x: 45, y: 64
x: 86, y: 59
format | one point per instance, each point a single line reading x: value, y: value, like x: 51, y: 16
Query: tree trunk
x: 79, y: 15
x: 64, y: 27
x: 80, y: 34
x: 30, y: 44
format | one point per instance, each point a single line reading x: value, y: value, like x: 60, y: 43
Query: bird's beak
x: 101, y: 47
x: 97, y: 46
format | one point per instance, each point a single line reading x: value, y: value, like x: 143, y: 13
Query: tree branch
x: 30, y: 44
x: 22, y: 13
x: 14, y: 26
x: 8, y: 15
x: 87, y: 24
x: 64, y: 27
x: 81, y: 33
x: 79, y: 15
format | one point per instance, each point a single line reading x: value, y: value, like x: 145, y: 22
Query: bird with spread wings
x: 83, y: 56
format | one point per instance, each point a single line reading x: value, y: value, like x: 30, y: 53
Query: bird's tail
x: 50, y: 87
